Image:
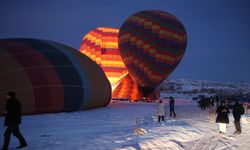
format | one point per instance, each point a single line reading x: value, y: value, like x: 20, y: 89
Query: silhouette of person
x: 217, y: 101
x: 238, y: 110
x: 12, y: 120
x: 171, y: 106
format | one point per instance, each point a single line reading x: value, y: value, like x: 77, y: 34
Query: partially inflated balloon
x: 151, y: 43
x: 128, y: 89
x: 50, y: 77
x: 101, y: 45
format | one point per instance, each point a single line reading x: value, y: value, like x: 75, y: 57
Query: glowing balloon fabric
x: 101, y: 45
x: 50, y: 77
x: 151, y: 43
x: 128, y: 89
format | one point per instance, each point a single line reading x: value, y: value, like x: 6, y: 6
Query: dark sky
x: 218, y: 30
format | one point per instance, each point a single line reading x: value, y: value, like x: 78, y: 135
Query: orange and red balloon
x: 101, y: 45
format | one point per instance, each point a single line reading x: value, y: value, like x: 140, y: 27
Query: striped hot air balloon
x: 50, y: 77
x: 152, y: 43
x: 101, y: 45
x: 128, y: 89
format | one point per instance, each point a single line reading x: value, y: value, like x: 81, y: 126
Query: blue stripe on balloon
x: 78, y: 66
x: 68, y: 74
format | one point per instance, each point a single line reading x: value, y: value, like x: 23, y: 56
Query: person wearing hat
x: 12, y: 120
x: 238, y: 110
x: 222, y: 117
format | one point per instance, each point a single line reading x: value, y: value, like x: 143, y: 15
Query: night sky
x: 218, y: 30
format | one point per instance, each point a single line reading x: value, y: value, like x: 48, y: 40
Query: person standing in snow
x: 245, y: 106
x: 222, y: 117
x: 238, y: 110
x: 217, y: 101
x: 211, y: 110
x: 171, y: 106
x: 202, y: 103
x: 12, y: 120
x: 161, y: 111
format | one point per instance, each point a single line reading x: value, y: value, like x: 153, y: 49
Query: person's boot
x: 5, y: 147
x: 22, y: 146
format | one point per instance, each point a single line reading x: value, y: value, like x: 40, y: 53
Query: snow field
x: 113, y: 128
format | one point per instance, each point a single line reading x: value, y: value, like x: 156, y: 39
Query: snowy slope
x: 112, y: 128
x: 188, y: 85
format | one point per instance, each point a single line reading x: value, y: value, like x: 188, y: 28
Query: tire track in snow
x: 214, y: 141
x: 211, y: 139
x: 206, y: 142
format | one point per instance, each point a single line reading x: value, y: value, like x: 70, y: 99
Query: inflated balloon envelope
x: 50, y: 77
x: 101, y: 45
x: 151, y: 43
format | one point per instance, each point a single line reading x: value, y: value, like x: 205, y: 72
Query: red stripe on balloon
x: 33, y: 63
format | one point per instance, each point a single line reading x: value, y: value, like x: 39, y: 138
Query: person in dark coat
x: 238, y: 110
x: 171, y: 106
x: 217, y: 101
x: 222, y: 117
x: 12, y: 120
x: 202, y: 103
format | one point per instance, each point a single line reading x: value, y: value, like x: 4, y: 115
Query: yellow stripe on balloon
x: 101, y: 45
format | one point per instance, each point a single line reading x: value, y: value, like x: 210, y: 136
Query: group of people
x: 222, y: 115
x: 161, y: 110
x: 206, y: 102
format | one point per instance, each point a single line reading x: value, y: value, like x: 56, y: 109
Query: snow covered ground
x: 112, y: 128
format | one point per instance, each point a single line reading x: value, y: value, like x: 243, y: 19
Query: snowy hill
x: 184, y: 86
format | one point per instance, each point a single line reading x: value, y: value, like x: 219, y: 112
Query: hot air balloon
x: 50, y: 77
x: 151, y: 43
x: 101, y: 45
x: 128, y: 89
